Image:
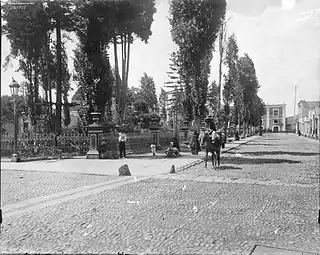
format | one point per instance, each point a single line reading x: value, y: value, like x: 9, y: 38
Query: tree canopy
x: 194, y: 28
x: 97, y: 25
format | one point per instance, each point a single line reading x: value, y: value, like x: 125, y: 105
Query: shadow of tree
x: 260, y: 153
x: 232, y: 149
x: 147, y: 157
x: 263, y: 144
x: 256, y: 161
x: 223, y: 167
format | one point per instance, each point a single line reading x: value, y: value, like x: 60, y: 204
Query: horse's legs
x: 212, y: 159
x: 205, y: 164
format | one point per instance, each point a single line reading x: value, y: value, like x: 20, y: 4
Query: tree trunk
x: 59, y: 78
x: 44, y: 72
x: 225, y: 130
x: 31, y: 103
x: 197, y: 121
x: 226, y: 112
x: 127, y: 64
x: 123, y: 78
x: 36, y: 88
x: 116, y: 68
x: 221, y: 50
x: 47, y: 49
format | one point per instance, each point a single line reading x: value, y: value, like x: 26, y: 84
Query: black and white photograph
x: 160, y: 127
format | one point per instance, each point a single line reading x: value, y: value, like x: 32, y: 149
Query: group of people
x: 195, y: 142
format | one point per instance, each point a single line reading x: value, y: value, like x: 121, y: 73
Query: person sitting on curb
x: 175, y: 143
x: 172, y: 151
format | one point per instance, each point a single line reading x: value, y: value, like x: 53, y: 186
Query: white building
x: 274, y: 118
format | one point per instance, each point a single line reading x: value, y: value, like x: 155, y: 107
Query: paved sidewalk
x: 139, y: 165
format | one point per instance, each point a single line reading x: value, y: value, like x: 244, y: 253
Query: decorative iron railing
x: 33, y: 145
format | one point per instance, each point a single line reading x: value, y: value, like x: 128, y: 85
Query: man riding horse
x: 212, y: 143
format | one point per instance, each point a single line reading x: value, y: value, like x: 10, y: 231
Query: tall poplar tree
x: 194, y: 28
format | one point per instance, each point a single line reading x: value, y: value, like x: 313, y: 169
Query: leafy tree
x: 222, y: 51
x: 26, y: 30
x: 65, y: 87
x: 213, y: 96
x: 92, y: 67
x: 232, y: 77
x: 29, y: 31
x: 163, y: 98
x: 194, y: 28
x: 249, y: 85
x: 257, y: 112
x: 61, y: 16
x: 176, y: 102
x: 7, y: 107
x: 48, y: 70
x: 141, y: 106
x: 147, y: 93
x: 133, y: 94
x: 129, y: 19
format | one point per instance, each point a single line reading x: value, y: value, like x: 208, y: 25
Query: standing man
x: 201, y: 136
x: 122, y: 144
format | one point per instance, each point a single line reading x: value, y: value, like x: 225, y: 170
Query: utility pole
x: 294, y: 107
x: 295, y: 100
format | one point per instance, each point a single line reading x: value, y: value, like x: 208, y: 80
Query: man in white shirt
x: 122, y: 144
x: 201, y: 136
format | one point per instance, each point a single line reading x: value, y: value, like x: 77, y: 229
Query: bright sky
x: 283, y: 43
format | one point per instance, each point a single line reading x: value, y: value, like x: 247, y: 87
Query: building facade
x: 308, y: 118
x: 274, y: 118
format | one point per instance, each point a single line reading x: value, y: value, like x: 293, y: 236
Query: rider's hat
x: 213, y: 126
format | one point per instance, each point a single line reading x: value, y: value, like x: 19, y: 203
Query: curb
x: 199, y: 161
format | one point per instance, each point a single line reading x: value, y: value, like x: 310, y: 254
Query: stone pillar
x: 94, y: 131
x: 156, y: 138
x: 155, y: 129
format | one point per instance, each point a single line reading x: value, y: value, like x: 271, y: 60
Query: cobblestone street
x: 265, y: 193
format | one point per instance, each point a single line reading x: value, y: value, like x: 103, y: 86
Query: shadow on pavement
x: 258, y: 161
x: 262, y: 144
x: 223, y: 167
x: 232, y: 149
x: 259, y: 153
x: 162, y: 156
x: 157, y: 156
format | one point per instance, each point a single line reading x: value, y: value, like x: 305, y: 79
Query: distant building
x: 291, y: 124
x: 308, y: 118
x: 274, y: 118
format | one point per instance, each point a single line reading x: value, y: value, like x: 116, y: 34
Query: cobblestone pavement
x: 18, y: 186
x: 184, y: 216
x: 278, y: 157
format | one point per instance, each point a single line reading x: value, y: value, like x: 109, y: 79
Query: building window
x: 275, y: 122
x: 276, y: 113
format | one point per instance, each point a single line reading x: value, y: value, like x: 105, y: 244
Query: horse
x: 213, y: 147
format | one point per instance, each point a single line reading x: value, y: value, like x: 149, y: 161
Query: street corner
x: 261, y: 250
x: 18, y: 186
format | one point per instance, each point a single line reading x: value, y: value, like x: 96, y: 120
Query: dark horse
x: 213, y: 147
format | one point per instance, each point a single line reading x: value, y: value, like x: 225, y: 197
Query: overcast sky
x: 283, y: 43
